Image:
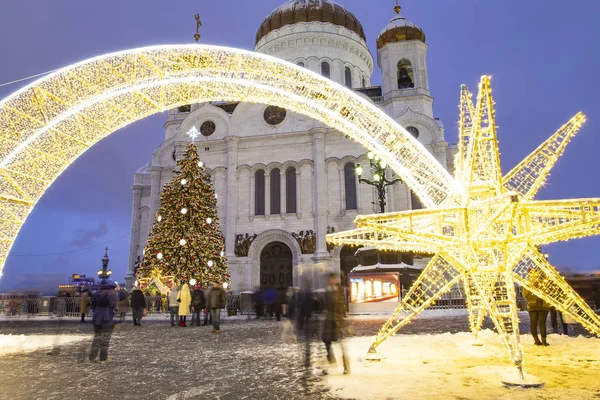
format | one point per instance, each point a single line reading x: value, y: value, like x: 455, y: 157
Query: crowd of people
x: 110, y: 301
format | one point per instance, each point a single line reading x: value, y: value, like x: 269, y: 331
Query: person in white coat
x: 173, y: 304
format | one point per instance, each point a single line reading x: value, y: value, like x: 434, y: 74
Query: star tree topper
x: 486, y: 235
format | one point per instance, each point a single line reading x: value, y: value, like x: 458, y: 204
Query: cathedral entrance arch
x: 276, y: 266
x: 48, y: 124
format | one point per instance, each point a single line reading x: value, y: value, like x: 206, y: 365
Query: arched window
x: 350, y: 184
x: 413, y: 131
x: 290, y: 190
x: 275, y: 192
x: 348, y: 77
x: 300, y: 64
x: 364, y: 82
x: 259, y: 192
x: 325, y: 69
x: 405, y: 75
x: 416, y: 203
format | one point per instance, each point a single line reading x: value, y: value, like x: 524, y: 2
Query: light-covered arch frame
x: 46, y: 125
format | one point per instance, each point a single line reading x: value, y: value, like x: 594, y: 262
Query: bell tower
x: 402, y: 57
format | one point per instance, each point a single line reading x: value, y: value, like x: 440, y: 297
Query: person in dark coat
x: 259, y: 303
x: 138, y: 304
x: 217, y: 300
x: 538, y: 313
x: 85, y: 302
x: 104, y: 303
x: 304, y: 304
x: 333, y: 327
x: 198, y: 304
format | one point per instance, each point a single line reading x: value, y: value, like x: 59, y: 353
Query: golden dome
x: 399, y: 29
x: 308, y: 11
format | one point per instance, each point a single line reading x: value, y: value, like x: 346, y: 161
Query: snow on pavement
x: 10, y: 344
x: 448, y: 366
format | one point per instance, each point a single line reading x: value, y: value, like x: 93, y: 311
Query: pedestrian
x: 198, y: 304
x: 138, y: 305
x: 124, y: 306
x: 538, y: 313
x: 304, y: 304
x: 83, y: 305
x: 259, y: 304
x: 333, y: 327
x: 184, y: 298
x: 173, y: 304
x: 217, y: 300
x: 104, y: 303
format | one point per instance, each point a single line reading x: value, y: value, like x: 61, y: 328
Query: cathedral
x: 282, y: 179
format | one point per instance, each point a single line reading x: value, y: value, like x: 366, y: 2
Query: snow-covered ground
x: 10, y: 344
x: 448, y: 366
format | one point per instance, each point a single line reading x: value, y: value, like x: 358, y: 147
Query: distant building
x: 76, y: 284
x: 587, y: 286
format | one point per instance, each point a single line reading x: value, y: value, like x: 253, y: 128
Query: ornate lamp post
x: 378, y: 172
x: 104, y: 273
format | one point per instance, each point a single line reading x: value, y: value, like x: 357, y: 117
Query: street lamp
x: 378, y: 172
x: 104, y: 273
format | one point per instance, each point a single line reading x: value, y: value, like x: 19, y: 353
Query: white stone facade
x: 243, y: 143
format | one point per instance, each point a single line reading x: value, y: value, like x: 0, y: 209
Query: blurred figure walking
x: 333, y: 327
x: 138, y: 305
x: 104, y: 303
x: 217, y: 300
x: 304, y: 305
x: 123, y: 307
x: 184, y: 298
x: 173, y: 304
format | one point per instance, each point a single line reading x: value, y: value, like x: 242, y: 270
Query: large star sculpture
x: 487, y: 235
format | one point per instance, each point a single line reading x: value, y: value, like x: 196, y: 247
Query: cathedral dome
x: 399, y: 29
x: 295, y: 11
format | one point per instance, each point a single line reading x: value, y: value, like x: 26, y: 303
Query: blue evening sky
x: 543, y: 56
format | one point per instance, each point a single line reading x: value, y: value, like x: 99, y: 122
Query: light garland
x: 487, y: 235
x: 49, y: 123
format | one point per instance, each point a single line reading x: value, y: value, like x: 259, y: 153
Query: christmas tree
x: 185, y: 240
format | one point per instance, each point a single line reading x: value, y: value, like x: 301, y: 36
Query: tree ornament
x: 209, y: 220
x: 182, y: 242
x: 159, y: 218
x: 210, y: 263
x: 183, y: 181
x: 159, y: 256
x: 184, y: 210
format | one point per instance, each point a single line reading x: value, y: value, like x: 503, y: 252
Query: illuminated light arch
x: 46, y: 125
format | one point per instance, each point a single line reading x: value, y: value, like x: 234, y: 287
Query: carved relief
x: 307, y: 241
x: 242, y: 244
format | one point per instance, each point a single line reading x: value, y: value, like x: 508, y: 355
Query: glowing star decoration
x: 487, y: 234
x: 193, y: 133
x: 48, y: 124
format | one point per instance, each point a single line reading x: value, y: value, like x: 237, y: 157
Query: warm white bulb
x: 159, y: 218
x: 184, y: 210
x: 225, y: 285
x: 210, y: 263
x: 183, y: 181
x: 182, y: 242
x: 159, y: 256
x: 216, y: 196
x: 222, y: 254
x: 209, y: 220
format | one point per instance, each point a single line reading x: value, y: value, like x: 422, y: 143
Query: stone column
x: 155, y: 172
x: 320, y: 192
x: 342, y: 184
x: 135, y: 235
x: 252, y: 196
x: 232, y: 194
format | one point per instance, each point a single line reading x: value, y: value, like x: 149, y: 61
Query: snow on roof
x: 382, y: 267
